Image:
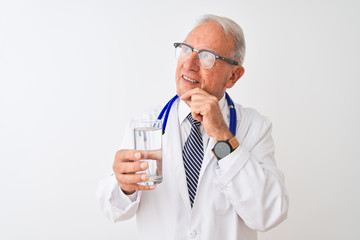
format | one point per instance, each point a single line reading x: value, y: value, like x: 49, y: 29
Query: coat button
x: 192, y: 234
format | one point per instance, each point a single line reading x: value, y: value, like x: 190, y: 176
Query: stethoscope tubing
x: 167, y: 107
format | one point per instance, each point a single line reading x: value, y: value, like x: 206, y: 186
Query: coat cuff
x: 230, y: 165
x: 120, y: 200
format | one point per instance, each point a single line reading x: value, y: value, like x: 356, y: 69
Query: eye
x: 206, y: 55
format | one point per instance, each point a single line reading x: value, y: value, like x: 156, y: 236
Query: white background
x: 73, y: 72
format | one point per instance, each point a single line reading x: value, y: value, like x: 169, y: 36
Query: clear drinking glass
x: 148, y: 139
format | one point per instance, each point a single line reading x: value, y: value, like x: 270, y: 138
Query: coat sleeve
x: 116, y: 205
x: 113, y: 202
x: 249, y: 177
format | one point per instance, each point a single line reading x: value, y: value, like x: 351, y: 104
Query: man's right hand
x: 125, y: 166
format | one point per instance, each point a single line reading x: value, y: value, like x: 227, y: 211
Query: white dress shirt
x: 236, y: 196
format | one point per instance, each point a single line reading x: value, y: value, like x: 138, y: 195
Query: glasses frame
x: 232, y: 62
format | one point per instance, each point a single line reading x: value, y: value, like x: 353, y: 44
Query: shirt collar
x: 184, y: 109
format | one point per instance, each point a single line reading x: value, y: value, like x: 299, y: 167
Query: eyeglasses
x: 206, y: 58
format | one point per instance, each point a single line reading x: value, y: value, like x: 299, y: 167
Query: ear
x: 236, y: 74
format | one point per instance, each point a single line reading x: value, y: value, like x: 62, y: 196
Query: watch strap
x: 234, y: 143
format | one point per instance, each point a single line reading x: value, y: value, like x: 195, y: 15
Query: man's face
x: 207, y: 36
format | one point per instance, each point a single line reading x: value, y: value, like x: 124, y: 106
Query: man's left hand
x: 205, y: 108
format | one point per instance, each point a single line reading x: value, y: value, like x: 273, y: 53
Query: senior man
x: 232, y: 188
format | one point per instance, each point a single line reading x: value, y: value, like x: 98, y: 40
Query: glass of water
x: 148, y: 139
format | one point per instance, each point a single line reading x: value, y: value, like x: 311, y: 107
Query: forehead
x: 210, y: 36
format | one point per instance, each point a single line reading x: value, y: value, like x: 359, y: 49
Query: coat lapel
x: 174, y: 154
x: 208, y: 156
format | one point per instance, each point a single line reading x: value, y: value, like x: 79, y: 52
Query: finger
x: 129, y: 189
x: 132, y: 167
x: 204, y: 104
x: 144, y: 187
x: 203, y: 99
x: 192, y: 95
x: 128, y: 155
x: 152, y: 154
x: 132, y: 178
x: 187, y: 95
x: 197, y: 117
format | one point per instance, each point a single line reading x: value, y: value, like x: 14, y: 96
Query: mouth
x: 189, y: 79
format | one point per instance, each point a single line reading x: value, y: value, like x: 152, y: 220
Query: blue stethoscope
x: 167, y: 107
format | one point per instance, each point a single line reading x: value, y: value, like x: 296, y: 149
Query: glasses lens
x: 207, y: 59
x: 182, y: 52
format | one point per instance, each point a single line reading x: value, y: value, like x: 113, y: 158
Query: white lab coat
x: 236, y: 196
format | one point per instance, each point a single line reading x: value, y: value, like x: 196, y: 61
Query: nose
x: 192, y: 62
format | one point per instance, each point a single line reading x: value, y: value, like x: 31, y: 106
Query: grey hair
x: 232, y: 28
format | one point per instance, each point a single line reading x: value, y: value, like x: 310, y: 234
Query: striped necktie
x: 193, y: 154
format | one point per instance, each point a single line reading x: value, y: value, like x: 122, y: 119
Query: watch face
x: 222, y: 149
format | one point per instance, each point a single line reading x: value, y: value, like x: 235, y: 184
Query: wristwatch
x: 224, y: 148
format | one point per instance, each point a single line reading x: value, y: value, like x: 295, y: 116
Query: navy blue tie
x: 193, y: 154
